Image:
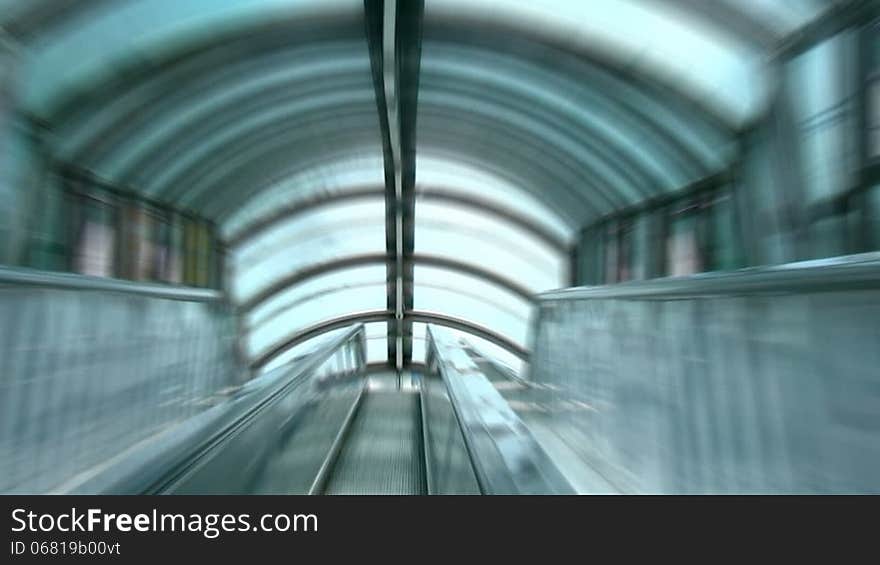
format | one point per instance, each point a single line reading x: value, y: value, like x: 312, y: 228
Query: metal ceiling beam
x: 187, y: 135
x: 284, y: 308
x: 193, y: 56
x: 381, y: 258
x: 108, y: 138
x: 840, y: 16
x: 320, y: 328
x: 523, y: 115
x: 314, y: 331
x: 394, y: 35
x: 430, y: 193
x: 205, y: 55
x: 706, y: 184
x: 308, y: 130
x: 374, y: 14
x: 539, y: 43
x: 477, y: 134
x: 202, y: 56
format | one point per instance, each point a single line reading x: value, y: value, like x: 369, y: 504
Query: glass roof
x: 534, y: 118
x: 655, y: 38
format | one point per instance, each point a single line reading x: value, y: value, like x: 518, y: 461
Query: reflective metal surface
x: 506, y: 458
x: 759, y: 381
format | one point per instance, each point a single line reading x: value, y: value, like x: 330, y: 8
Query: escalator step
x: 381, y: 454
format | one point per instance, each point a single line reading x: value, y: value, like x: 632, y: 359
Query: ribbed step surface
x: 295, y: 462
x: 381, y: 453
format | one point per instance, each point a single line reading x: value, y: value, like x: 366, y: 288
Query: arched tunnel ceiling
x: 534, y: 118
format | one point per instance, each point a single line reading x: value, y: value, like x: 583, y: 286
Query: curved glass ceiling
x: 534, y: 118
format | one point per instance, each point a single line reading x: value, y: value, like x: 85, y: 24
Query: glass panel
x: 874, y: 116
x: 360, y: 277
x: 571, y: 113
x: 821, y: 93
x: 472, y: 309
x: 472, y: 238
x: 303, y: 349
x: 640, y: 238
x: 317, y: 308
x: 470, y: 286
x: 682, y: 247
x: 316, y: 237
x: 174, y: 266
x: 95, y: 241
x: 297, y: 78
x: 724, y: 247
x: 75, y: 52
x: 872, y: 209
x: 192, y: 242
x: 362, y: 169
x: 658, y: 41
x: 139, y: 232
x: 447, y: 176
x: 612, y: 254
x: 419, y: 345
x: 377, y: 342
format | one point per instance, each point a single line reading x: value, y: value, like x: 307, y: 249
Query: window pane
x: 318, y: 308
x: 360, y: 277
x: 316, y: 237
x: 95, y: 246
x: 377, y: 342
x: 682, y: 247
x: 453, y: 232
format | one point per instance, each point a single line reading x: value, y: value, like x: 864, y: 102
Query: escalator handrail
x: 504, y: 480
x: 21, y: 276
x: 853, y: 272
x: 231, y: 417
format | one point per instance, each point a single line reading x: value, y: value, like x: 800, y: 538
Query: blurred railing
x: 226, y: 451
x: 89, y: 367
x: 504, y: 457
x: 760, y: 380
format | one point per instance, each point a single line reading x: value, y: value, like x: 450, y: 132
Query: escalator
x: 382, y: 452
x: 377, y: 449
x: 325, y: 424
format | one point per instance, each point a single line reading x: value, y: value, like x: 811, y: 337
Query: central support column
x: 394, y: 36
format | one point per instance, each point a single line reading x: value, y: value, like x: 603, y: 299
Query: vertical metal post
x: 8, y: 221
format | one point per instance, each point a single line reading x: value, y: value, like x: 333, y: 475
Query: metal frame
x: 280, y: 310
x: 842, y: 14
x: 311, y: 271
x: 310, y: 332
x: 394, y: 33
x: 69, y: 281
x: 431, y: 192
x: 657, y: 209
x: 524, y: 41
x: 821, y: 275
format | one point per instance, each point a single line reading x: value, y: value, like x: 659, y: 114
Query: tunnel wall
x: 766, y: 389
x: 86, y: 373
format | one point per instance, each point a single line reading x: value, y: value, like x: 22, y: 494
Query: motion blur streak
x: 439, y: 246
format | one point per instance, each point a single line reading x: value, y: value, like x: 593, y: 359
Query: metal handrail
x: 245, y: 407
x: 853, y: 272
x: 71, y: 281
x: 502, y: 436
